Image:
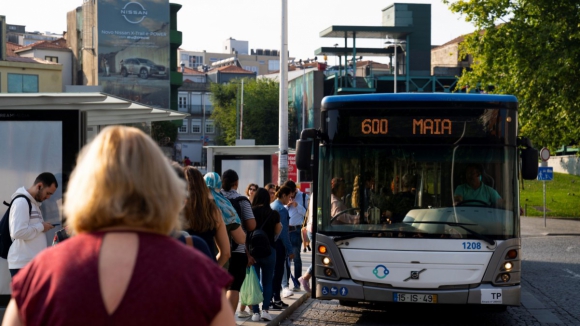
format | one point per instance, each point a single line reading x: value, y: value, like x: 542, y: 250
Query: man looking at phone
x: 27, y: 229
x: 296, y: 211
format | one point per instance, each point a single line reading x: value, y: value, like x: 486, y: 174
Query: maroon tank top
x: 171, y: 284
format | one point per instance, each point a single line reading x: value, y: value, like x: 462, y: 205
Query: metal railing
x: 195, y: 109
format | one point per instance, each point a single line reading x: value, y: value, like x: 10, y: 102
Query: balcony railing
x: 195, y: 109
x: 195, y: 86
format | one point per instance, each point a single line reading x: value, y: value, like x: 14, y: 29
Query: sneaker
x: 296, y: 289
x: 308, y: 247
x: 304, y: 284
x: 256, y: 317
x: 304, y: 250
x: 243, y: 314
x: 278, y: 305
x: 287, y: 293
x: 265, y: 315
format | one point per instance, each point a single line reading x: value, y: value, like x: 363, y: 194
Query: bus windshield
x: 418, y: 191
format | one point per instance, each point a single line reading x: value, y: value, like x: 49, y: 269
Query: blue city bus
x: 416, y: 198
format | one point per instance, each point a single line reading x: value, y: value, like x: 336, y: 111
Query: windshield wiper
x: 462, y: 225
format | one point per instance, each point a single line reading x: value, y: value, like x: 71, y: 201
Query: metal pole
x: 407, y: 75
x: 303, y: 98
x: 237, y: 113
x: 283, y: 124
x: 203, y: 125
x: 242, y: 112
x: 353, y: 61
x: 544, y: 202
x: 396, y: 66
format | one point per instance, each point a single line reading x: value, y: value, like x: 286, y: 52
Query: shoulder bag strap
x: 189, y: 241
x: 21, y: 196
x: 266, y: 220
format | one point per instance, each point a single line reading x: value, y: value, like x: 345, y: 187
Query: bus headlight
x: 326, y: 261
x: 322, y: 249
x: 508, y: 266
x: 328, y: 272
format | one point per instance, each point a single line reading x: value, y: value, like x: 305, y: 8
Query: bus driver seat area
x: 477, y: 188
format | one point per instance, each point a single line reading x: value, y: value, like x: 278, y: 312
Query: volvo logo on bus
x: 134, y: 12
x: 415, y: 275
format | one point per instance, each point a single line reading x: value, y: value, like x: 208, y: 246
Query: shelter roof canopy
x: 384, y: 32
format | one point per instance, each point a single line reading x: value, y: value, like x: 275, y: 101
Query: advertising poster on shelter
x: 133, y: 38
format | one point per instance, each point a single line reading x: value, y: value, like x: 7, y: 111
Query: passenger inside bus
x: 474, y: 191
x: 338, y: 189
x: 364, y: 186
x: 402, y: 201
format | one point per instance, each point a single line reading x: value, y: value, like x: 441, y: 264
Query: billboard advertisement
x: 133, y: 46
x: 301, y: 92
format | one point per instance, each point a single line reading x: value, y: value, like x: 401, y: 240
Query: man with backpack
x: 25, y: 223
x: 240, y: 259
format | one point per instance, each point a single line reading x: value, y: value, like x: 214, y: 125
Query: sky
x: 206, y: 24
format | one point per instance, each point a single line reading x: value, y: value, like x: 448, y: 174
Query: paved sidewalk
x: 294, y: 301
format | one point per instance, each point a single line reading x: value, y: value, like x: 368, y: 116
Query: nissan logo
x: 134, y: 12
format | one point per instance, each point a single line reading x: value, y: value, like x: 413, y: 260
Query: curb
x: 278, y: 317
x: 563, y: 234
x: 288, y: 311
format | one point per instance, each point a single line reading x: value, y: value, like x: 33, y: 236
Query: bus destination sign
x: 380, y: 126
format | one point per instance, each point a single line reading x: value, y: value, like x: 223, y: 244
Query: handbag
x: 60, y: 236
x: 305, y: 235
x: 251, y: 291
x: 304, y: 227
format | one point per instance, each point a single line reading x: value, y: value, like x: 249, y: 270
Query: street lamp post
x: 394, y: 44
x: 283, y: 104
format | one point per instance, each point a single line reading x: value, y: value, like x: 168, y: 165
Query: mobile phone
x: 55, y: 224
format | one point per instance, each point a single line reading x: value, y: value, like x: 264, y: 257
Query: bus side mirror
x: 304, y: 154
x: 530, y: 163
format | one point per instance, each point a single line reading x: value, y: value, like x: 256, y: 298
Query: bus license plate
x: 414, y: 297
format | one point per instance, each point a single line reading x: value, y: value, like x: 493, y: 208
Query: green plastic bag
x: 251, y: 291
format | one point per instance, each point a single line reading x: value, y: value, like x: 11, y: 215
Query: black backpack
x: 258, y: 243
x: 236, y: 204
x: 5, y: 239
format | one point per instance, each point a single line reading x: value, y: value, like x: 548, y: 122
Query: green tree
x: 164, y: 132
x: 224, y: 99
x: 535, y: 56
x: 260, y: 111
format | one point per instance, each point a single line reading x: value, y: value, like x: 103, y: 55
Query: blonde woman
x: 356, y: 192
x: 122, y: 202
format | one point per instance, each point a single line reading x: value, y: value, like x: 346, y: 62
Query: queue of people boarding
x: 151, y: 242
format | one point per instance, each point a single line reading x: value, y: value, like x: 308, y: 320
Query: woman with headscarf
x: 237, y: 235
x: 229, y: 215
